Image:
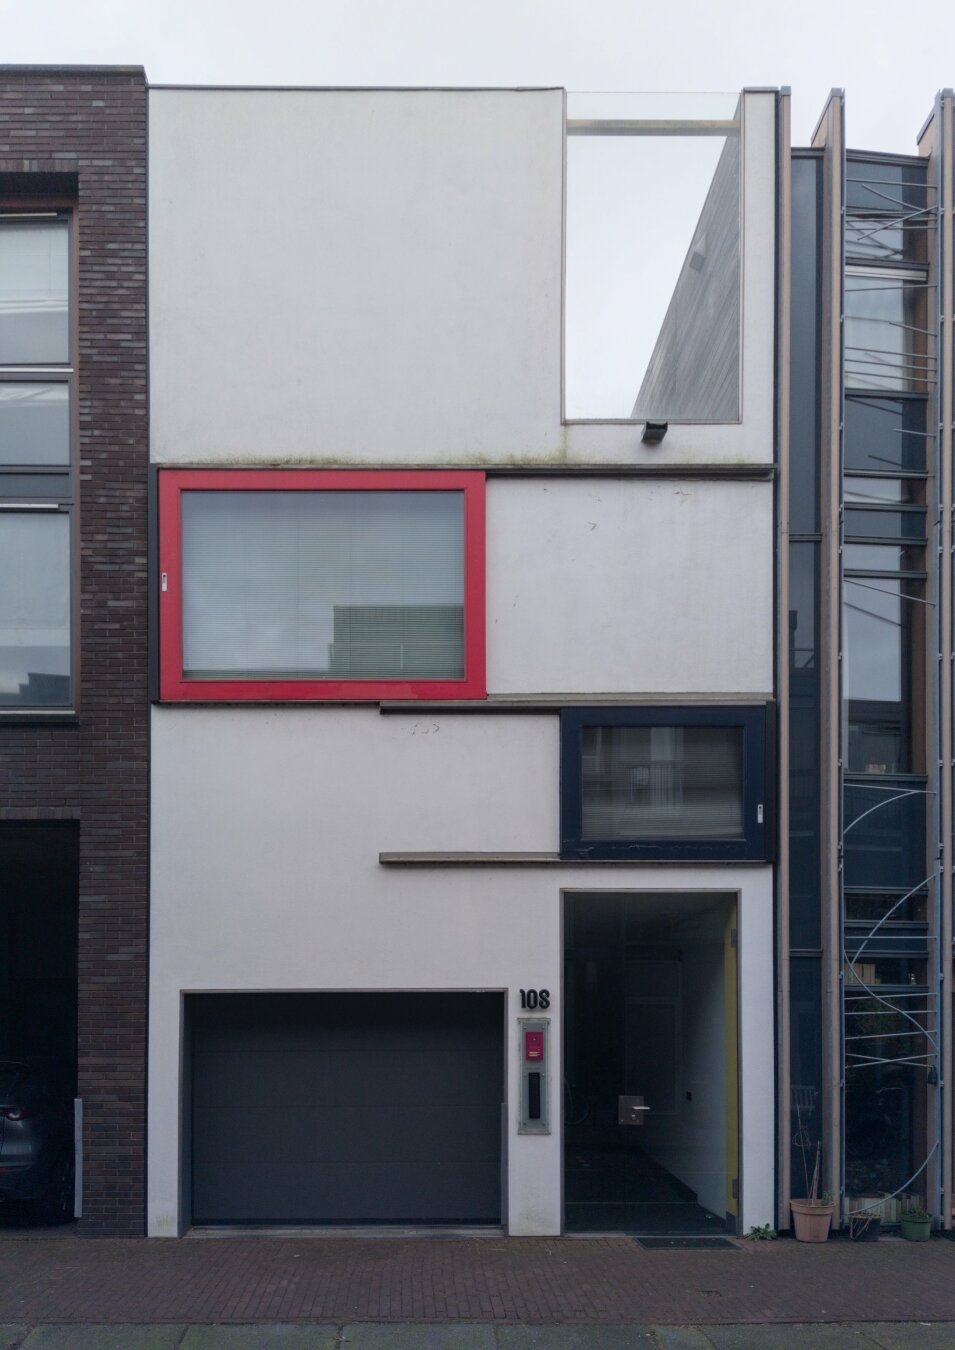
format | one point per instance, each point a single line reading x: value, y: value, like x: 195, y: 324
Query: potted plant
x: 865, y: 1225
x: 916, y: 1224
x: 813, y: 1215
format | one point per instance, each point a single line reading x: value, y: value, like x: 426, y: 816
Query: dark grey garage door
x: 346, y: 1108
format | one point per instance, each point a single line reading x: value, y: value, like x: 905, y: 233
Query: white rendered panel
x: 392, y: 290
x: 629, y: 587
x: 355, y: 276
x: 267, y: 825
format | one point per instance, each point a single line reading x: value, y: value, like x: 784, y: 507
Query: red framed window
x: 309, y: 584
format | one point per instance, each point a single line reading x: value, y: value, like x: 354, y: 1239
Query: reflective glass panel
x: 889, y: 240
x: 883, y: 624
x: 884, y: 832
x: 865, y: 906
x: 804, y: 769
x: 804, y: 345
x: 883, y: 186
x: 873, y: 491
x: 653, y: 258
x: 887, y: 1060
x: 866, y: 968
x: 884, y: 341
x: 882, y: 558
x: 805, y: 1001
x: 862, y: 524
x: 34, y: 610
x: 652, y: 782
x: 34, y: 423
x: 890, y: 940
x: 34, y: 293
x: 884, y: 435
x: 305, y: 585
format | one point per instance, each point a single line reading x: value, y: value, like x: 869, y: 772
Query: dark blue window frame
x: 758, y: 746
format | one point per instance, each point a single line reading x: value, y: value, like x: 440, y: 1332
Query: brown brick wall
x: 92, y: 123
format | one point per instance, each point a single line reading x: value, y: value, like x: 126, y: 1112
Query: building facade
x: 538, y: 609
x: 73, y: 669
x: 462, y: 752
x: 866, y: 560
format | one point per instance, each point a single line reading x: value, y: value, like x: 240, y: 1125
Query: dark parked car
x: 36, y: 1138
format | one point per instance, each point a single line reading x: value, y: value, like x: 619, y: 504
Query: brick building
x: 73, y: 694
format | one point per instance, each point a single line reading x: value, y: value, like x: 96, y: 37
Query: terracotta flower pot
x: 811, y: 1220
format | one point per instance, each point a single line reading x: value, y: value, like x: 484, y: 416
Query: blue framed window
x: 665, y: 783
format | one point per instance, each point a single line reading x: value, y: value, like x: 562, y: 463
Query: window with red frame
x: 311, y: 584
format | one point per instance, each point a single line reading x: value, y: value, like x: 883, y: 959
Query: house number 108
x: 535, y: 998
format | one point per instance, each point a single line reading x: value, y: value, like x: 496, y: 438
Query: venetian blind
x: 323, y: 584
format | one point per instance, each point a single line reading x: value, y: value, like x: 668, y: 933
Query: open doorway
x: 39, y: 909
x: 651, y: 1096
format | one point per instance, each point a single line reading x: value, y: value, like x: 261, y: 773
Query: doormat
x: 654, y: 1244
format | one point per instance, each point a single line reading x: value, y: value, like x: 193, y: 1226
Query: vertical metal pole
x: 830, y: 138
x: 944, y: 133
x: 783, y: 320
x: 78, y: 1157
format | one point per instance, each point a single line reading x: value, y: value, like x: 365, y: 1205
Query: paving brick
x: 532, y: 1282
x: 681, y: 1338
x: 104, y: 1338
x: 788, y: 1338
x: 911, y: 1335
x: 402, y: 1336
x: 575, y: 1338
x: 283, y: 1337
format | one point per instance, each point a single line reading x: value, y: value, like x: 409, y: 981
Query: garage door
x: 346, y: 1108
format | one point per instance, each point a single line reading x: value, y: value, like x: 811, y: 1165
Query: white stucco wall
x: 609, y: 586
x: 376, y: 277
x: 267, y: 824
x: 354, y: 276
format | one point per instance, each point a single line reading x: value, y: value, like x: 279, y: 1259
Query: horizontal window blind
x: 662, y: 783
x: 34, y: 423
x: 34, y: 610
x: 324, y: 584
x: 34, y: 293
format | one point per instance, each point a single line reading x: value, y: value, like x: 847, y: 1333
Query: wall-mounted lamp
x: 654, y: 432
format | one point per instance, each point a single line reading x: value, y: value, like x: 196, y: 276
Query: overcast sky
x: 890, y: 60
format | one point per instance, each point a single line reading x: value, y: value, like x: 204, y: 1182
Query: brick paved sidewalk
x: 516, y: 1280
x: 479, y: 1336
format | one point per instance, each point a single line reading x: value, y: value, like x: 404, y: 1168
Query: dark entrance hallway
x: 650, y: 1067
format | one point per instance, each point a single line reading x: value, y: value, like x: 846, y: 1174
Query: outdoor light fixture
x: 654, y: 432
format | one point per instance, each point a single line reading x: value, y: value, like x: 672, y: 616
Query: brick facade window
x: 36, y: 483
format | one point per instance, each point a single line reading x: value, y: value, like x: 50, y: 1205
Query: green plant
x: 826, y: 1198
x: 916, y: 1214
x: 762, y: 1232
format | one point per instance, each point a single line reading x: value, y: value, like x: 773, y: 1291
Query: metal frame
x: 174, y: 687
x: 659, y: 127
x: 759, y: 774
x: 925, y: 1017
x: 52, y: 209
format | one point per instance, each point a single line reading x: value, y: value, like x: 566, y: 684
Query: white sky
x: 891, y: 60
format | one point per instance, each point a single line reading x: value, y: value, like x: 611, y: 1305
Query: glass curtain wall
x: 805, y: 940
x: 890, y: 999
